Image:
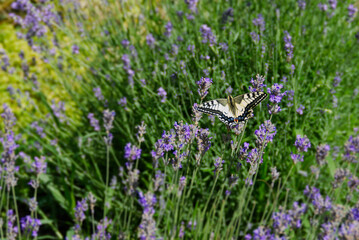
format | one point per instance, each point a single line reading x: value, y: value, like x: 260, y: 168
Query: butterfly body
x: 233, y: 110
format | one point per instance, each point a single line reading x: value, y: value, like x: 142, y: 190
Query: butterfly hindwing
x: 219, y: 108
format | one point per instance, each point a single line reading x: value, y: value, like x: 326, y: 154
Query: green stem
x: 16, y: 211
x: 107, y: 177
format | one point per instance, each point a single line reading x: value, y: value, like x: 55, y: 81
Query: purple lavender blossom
x: 80, y: 209
x: 288, y: 46
x: 353, y: 184
x: 339, y: 176
x: 253, y: 157
x: 168, y: 29
x: 257, y: 84
x: 281, y: 221
x: 191, y: 48
x: 351, y: 149
x: 39, y: 165
x: 183, y: 132
x: 159, y: 181
x: 229, y: 90
x: 32, y: 204
x: 38, y: 19
x: 284, y: 79
x: 12, y: 230
x: 143, y: 82
x: 207, y: 35
x: 301, y: 4
x: 203, y: 85
x: 323, y: 7
x: 108, y: 118
x: 59, y: 110
x: 227, y: 16
x: 98, y: 94
x: 259, y: 22
x: 351, y: 11
x: 296, y: 158
x: 218, y: 165
x: 243, y: 151
x: 321, y: 204
x: 141, y: 131
x: 337, y: 79
x: 265, y: 134
x: 147, y: 227
x: 126, y: 61
x: 131, y: 181
x: 275, y: 93
x: 290, y: 95
x: 300, y: 109
x: 133, y: 51
x: 322, y: 153
x: 192, y: 5
x: 132, y: 153
x: 125, y: 43
x: 224, y: 46
x: 310, y: 191
x: 123, y: 102
x: 93, y: 121
x: 255, y: 37
x: 163, y: 94
x: 273, y: 109
x: 75, y: 49
x: 302, y: 143
x: 349, y: 230
x: 39, y: 129
x: 192, y: 225
x: 101, y: 230
x: 181, y: 231
x: 168, y: 141
x: 8, y: 155
x: 5, y: 60
x: 174, y: 49
x: 181, y: 183
x: 203, y: 140
x: 332, y: 4
x: 30, y: 225
x: 150, y: 40
x: 261, y: 233
x: 9, y: 117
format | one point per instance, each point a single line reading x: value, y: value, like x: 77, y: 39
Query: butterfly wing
x: 219, y: 108
x: 246, y: 102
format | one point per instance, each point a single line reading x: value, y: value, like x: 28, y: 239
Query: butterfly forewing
x: 246, y: 102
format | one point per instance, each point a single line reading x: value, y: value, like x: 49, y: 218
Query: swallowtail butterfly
x: 233, y: 110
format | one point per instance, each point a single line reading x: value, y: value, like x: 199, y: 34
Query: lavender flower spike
x: 302, y: 143
x: 207, y: 35
x: 257, y: 84
x: 162, y: 93
x: 203, y: 85
x: 288, y: 46
x: 108, y: 118
x: 275, y: 93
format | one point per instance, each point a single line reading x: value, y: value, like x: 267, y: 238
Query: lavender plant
x: 101, y: 137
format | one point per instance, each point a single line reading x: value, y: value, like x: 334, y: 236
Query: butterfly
x: 233, y: 110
